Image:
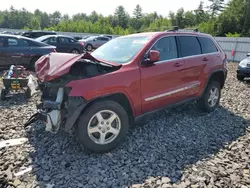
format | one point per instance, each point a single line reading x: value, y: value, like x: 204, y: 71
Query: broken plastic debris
x: 23, y: 171
x: 32, y: 84
x: 12, y: 142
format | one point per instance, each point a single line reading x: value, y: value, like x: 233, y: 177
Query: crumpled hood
x: 53, y: 65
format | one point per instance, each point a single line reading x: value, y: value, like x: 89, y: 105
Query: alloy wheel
x: 104, y: 127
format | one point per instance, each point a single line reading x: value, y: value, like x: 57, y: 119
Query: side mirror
x: 154, y: 56
x: 248, y: 54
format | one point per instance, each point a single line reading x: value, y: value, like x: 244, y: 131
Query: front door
x: 161, y: 84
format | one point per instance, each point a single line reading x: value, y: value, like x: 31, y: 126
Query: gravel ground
x: 179, y: 147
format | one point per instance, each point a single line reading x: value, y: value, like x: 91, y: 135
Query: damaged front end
x: 57, y: 109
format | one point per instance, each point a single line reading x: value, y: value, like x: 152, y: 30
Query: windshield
x: 120, y: 50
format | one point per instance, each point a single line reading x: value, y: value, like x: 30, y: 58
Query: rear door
x: 3, y: 51
x: 161, y: 84
x: 195, y: 62
x: 63, y: 44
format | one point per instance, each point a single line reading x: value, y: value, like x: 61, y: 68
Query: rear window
x: 207, y: 45
x: 189, y: 46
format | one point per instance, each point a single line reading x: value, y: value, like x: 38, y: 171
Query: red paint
x: 139, y: 82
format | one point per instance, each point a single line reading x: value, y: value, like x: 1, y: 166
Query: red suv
x: 99, y: 95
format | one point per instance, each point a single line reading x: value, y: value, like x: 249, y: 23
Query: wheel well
x: 32, y: 62
x: 218, y: 76
x: 75, y: 49
x: 119, y: 98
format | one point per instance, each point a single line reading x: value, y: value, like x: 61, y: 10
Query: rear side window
x: 189, y: 46
x: 167, y: 48
x: 207, y: 45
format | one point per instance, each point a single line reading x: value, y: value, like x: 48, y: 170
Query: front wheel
x: 211, y: 97
x: 103, y: 126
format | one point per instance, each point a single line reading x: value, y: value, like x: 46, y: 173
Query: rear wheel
x: 240, y: 78
x: 75, y: 51
x: 2, y: 94
x: 32, y: 63
x: 103, y: 126
x: 28, y: 92
x: 89, y: 47
x: 211, y: 97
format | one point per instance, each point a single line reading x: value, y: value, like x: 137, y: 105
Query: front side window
x: 23, y: 43
x: 189, y: 46
x: 121, y: 50
x: 167, y: 48
x: 50, y: 40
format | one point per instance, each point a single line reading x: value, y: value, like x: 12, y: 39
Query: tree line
x: 217, y: 18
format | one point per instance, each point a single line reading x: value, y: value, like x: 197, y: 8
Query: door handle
x: 205, y: 59
x: 178, y: 64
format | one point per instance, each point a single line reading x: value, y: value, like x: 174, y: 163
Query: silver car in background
x: 94, y: 42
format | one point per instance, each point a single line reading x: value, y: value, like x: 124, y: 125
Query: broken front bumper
x: 50, y: 112
x: 64, y: 110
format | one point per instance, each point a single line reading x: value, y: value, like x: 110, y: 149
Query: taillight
x: 81, y: 43
x: 53, y: 50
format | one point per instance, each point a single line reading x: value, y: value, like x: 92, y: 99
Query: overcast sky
x: 104, y: 7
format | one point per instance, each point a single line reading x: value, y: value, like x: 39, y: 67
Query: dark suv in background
x: 36, y: 34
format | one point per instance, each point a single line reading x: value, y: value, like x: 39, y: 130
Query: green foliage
x: 207, y: 27
x: 232, y: 34
x: 216, y: 19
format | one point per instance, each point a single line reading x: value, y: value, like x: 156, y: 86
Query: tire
x: 2, y: 94
x: 89, y: 47
x: 203, y: 102
x: 90, y: 140
x: 28, y: 92
x: 240, y: 78
x: 31, y: 66
x: 75, y: 51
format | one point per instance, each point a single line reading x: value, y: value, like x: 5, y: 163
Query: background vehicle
x: 63, y: 43
x: 27, y: 49
x: 243, y: 70
x: 94, y: 42
x: 109, y: 89
x: 36, y: 34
